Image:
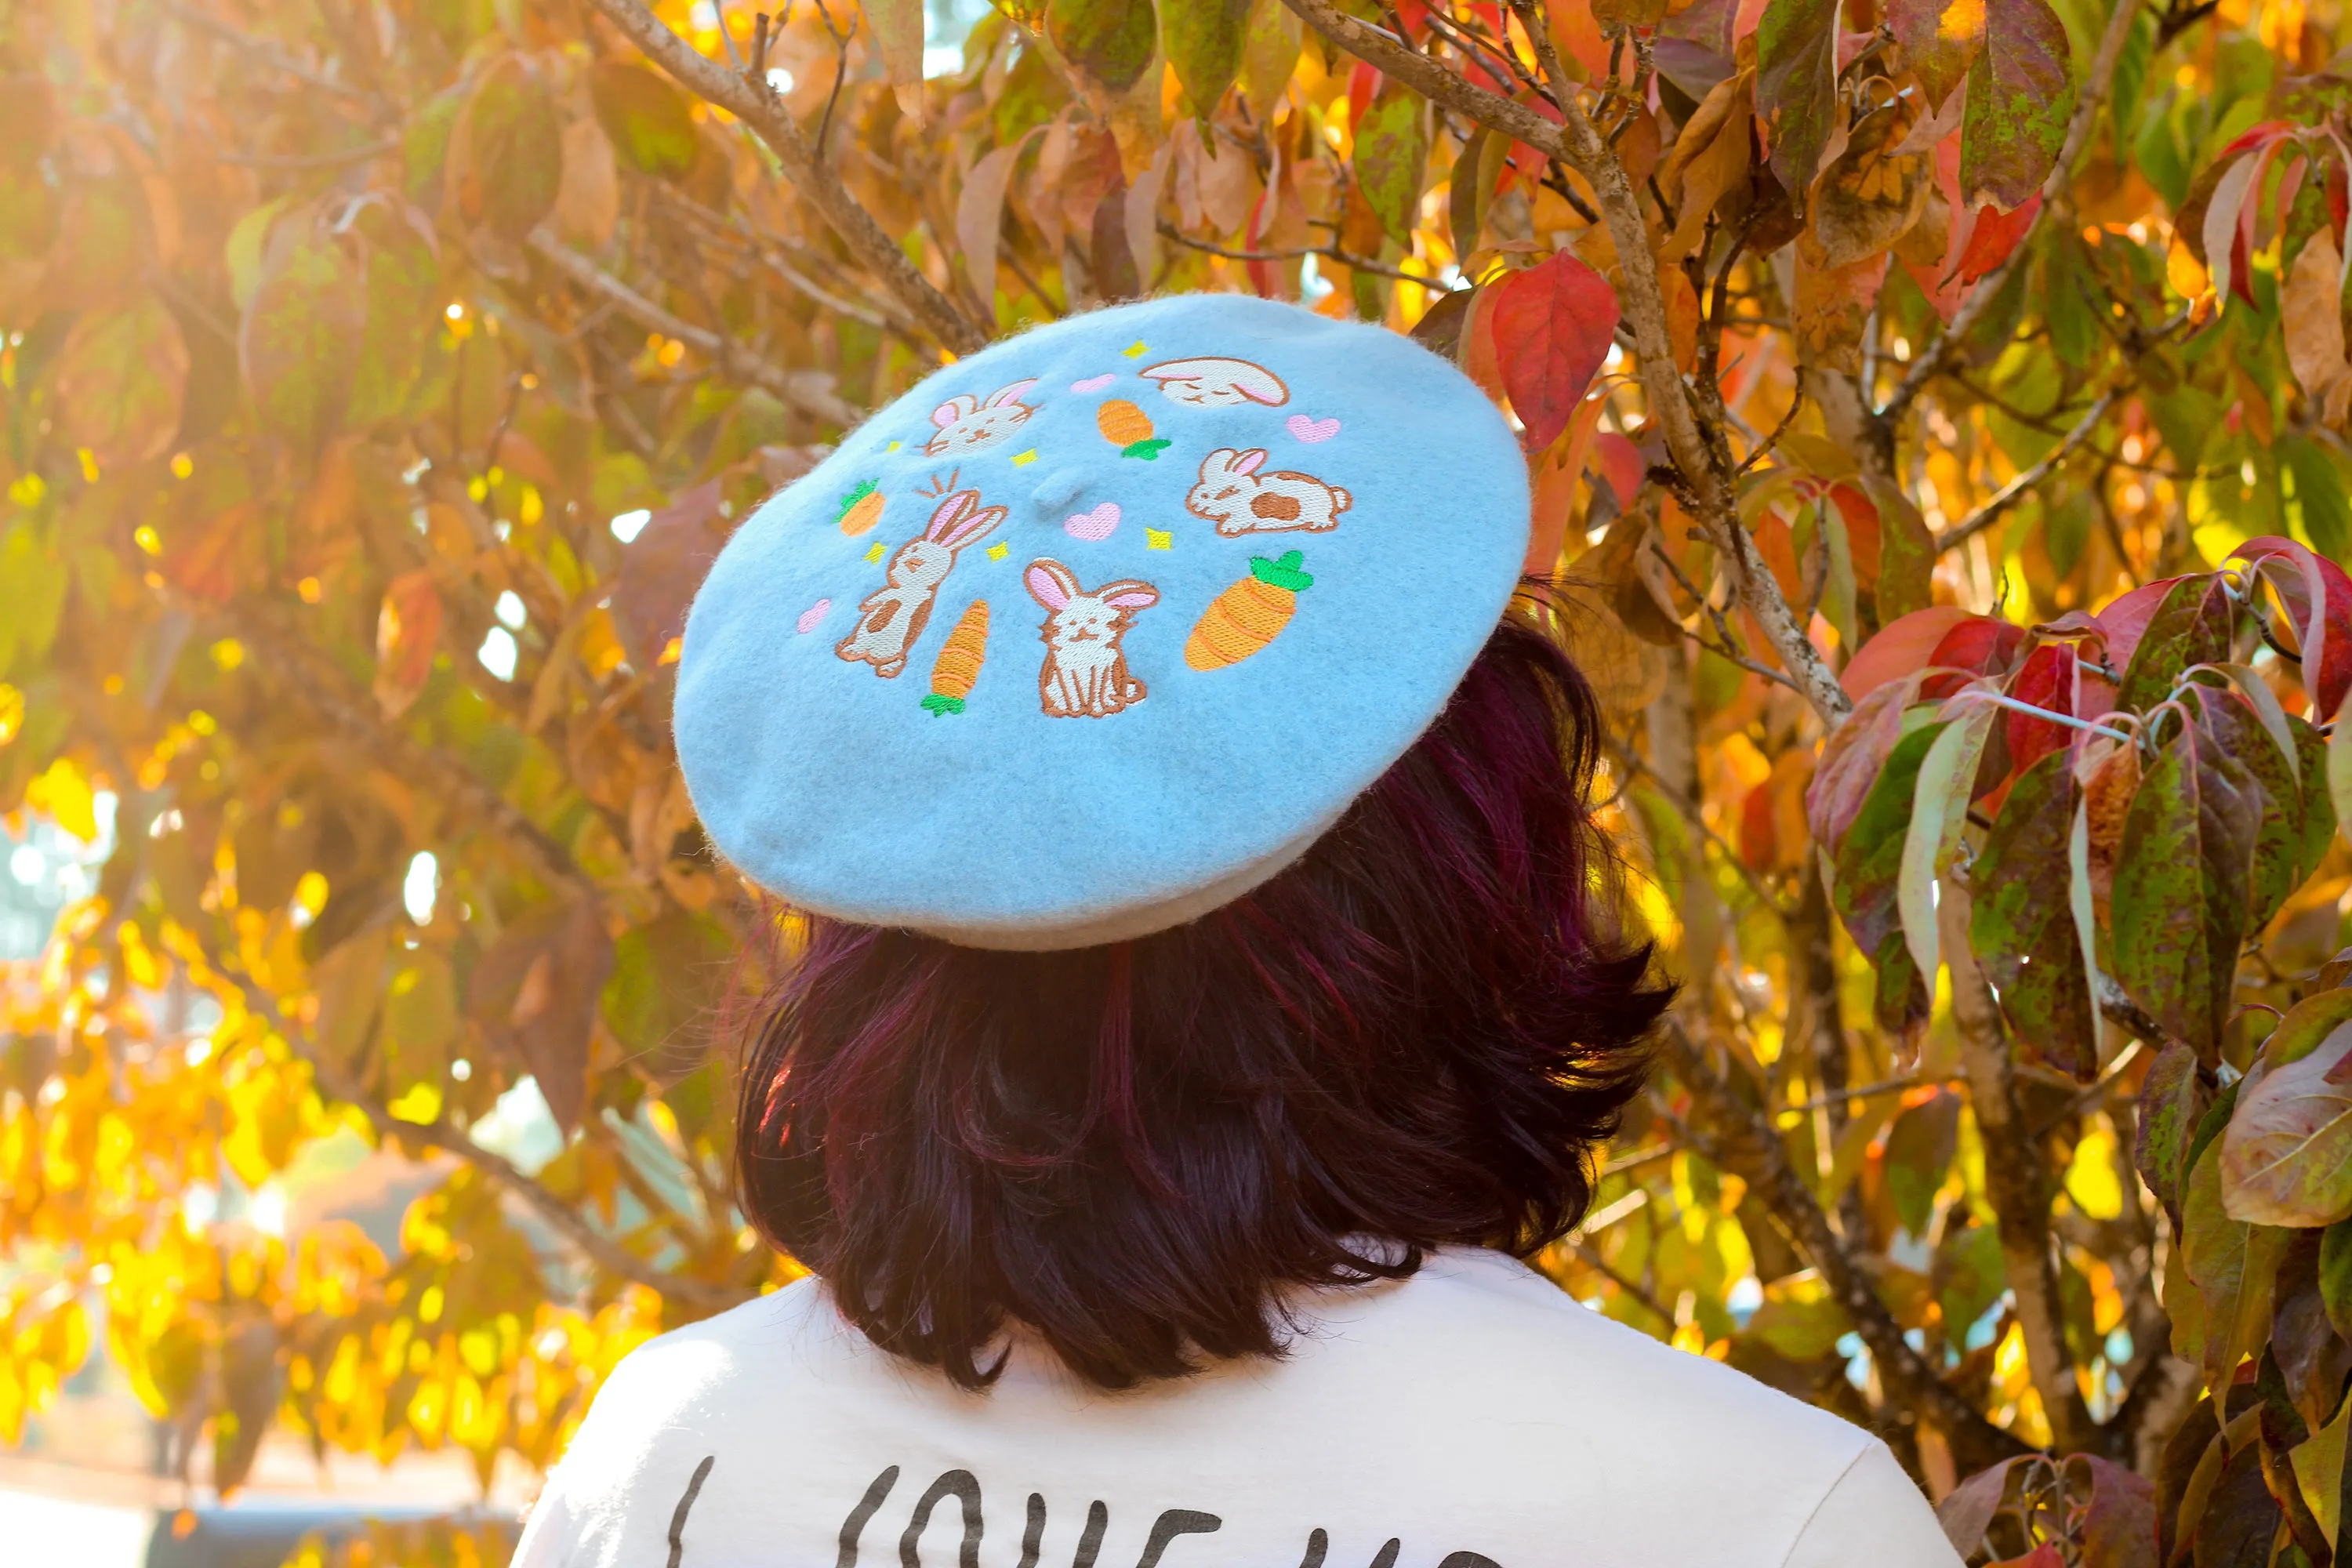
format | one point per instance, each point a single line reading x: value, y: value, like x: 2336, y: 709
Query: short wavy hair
x: 1413, y: 1038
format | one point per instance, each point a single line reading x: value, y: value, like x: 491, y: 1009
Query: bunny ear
x: 1009, y: 394
x: 954, y: 409
x: 1220, y: 461
x: 1248, y: 462
x: 1127, y: 593
x: 945, y: 516
x: 972, y: 527
x: 1050, y: 584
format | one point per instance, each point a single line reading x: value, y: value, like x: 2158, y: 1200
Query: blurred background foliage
x: 380, y: 376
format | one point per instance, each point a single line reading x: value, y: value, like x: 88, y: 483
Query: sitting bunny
x: 892, y: 617
x: 1234, y: 495
x: 967, y: 425
x: 1085, y: 674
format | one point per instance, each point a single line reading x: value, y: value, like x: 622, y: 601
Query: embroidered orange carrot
x: 861, y: 508
x: 958, y: 665
x: 1249, y: 615
x: 1129, y: 429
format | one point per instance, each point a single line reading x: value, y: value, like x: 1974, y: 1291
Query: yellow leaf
x: 63, y: 796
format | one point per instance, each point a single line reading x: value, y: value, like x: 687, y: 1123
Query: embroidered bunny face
x: 1217, y: 382
x: 968, y: 425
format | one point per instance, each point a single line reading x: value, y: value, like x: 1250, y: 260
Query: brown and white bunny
x: 892, y: 617
x: 1234, y: 495
x: 967, y: 425
x: 1085, y: 674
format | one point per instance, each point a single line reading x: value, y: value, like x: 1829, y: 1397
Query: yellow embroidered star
x: 1158, y: 539
x: 1134, y: 350
x: 1023, y: 460
x: 875, y: 554
x: 999, y: 551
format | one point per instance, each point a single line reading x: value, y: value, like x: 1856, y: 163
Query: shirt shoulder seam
x: 1822, y: 1502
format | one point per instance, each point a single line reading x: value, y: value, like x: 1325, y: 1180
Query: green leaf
x: 1203, y: 40
x: 2022, y: 925
x: 1919, y: 1148
x: 1392, y: 151
x: 420, y: 1019
x: 2021, y: 94
x: 2192, y: 625
x: 295, y: 344
x: 505, y: 152
x: 120, y: 378
x: 2336, y: 1275
x: 2233, y: 1265
x: 33, y: 585
x: 1796, y: 84
x: 650, y: 122
x: 1939, y: 810
x: 2286, y: 1155
x: 1111, y: 42
x: 1870, y: 860
x: 2182, y: 886
x: 2317, y: 508
x: 2172, y: 1101
x: 1269, y: 55
x: 403, y: 282
x: 2239, y: 733
x: 2318, y: 805
x: 669, y: 977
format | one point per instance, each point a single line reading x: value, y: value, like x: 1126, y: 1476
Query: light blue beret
x: 1098, y: 629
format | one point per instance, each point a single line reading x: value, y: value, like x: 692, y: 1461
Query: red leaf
x: 1363, y: 86
x: 2049, y: 679
x: 662, y: 568
x: 2127, y: 617
x: 1900, y: 649
x: 1996, y: 235
x: 2303, y: 579
x: 1553, y: 326
x: 407, y: 629
x: 1758, y: 842
x: 1621, y: 463
x: 1979, y: 644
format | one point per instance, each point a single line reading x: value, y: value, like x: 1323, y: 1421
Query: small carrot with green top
x: 1249, y: 615
x: 861, y: 508
x: 1129, y: 429
x: 957, y: 668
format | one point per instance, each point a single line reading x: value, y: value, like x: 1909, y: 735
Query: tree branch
x: 809, y: 390
x: 1705, y: 467
x: 2056, y: 190
x: 322, y: 687
x: 756, y: 104
x: 602, y: 1249
x: 1763, y: 1161
x: 2010, y: 494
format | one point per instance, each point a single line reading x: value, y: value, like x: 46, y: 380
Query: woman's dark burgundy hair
x: 1414, y: 1036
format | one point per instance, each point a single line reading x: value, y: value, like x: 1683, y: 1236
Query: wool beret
x: 1097, y: 629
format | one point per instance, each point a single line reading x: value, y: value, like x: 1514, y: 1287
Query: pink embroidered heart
x: 1092, y: 384
x: 813, y: 614
x: 1311, y: 430
x: 1095, y: 524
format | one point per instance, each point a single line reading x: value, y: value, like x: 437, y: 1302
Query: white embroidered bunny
x: 967, y: 425
x: 1234, y: 495
x: 892, y: 617
x: 1085, y: 674
x: 1213, y: 382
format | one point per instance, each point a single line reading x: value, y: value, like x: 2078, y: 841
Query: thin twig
x: 811, y: 392
x: 2010, y: 494
x: 1329, y: 252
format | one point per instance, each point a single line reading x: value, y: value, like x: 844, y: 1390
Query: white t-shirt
x: 1472, y: 1416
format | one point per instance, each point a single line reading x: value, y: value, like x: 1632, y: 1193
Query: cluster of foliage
x: 1940, y: 406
